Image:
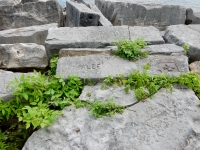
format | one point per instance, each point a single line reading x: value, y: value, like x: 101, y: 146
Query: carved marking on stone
x: 168, y: 66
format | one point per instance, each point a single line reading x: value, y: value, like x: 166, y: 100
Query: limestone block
x: 30, y: 13
x: 167, y: 122
x: 136, y: 13
x: 103, y: 21
x: 79, y: 15
x: 182, y: 34
x: 22, y: 55
x: 96, y: 67
x: 32, y: 34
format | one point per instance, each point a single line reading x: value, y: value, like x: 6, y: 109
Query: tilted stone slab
x: 149, y: 34
x: 5, y: 78
x: 182, y: 34
x: 30, y: 13
x: 79, y: 15
x: 32, y: 34
x: 97, y: 67
x: 65, y: 52
x: 136, y: 13
x: 22, y: 56
x: 116, y: 93
x: 103, y: 21
x: 96, y: 37
x: 167, y: 122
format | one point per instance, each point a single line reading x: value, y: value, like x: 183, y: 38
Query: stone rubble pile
x: 85, y: 38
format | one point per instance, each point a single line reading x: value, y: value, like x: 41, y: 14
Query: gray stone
x: 4, y: 71
x: 165, y: 49
x: 30, y: 14
x: 161, y: 49
x: 149, y: 34
x: 5, y: 78
x: 192, y: 17
x: 182, y: 34
x: 65, y: 52
x: 168, y: 121
x: 95, y: 37
x: 136, y: 13
x: 116, y: 93
x: 195, y: 67
x: 96, y: 67
x: 22, y: 55
x: 93, y: 67
x: 9, y: 2
x: 83, y: 37
x: 103, y: 21
x: 32, y: 34
x: 79, y: 15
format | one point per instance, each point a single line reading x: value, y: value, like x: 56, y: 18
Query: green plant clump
x: 53, y: 65
x: 131, y: 50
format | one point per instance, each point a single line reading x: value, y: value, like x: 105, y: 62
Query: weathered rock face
x: 135, y: 13
x: 167, y: 122
x: 30, y: 13
x: 79, y: 15
x: 195, y: 67
x: 96, y: 37
x: 96, y: 67
x: 22, y: 55
x: 32, y: 34
x: 182, y: 34
x: 103, y: 21
x: 9, y: 2
x: 5, y: 78
x: 192, y: 17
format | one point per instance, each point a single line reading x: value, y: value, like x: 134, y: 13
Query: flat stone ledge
x: 32, y: 34
x: 65, y: 52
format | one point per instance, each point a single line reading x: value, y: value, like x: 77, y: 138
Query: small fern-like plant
x: 131, y: 50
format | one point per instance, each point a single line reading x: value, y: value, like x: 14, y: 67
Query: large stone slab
x: 32, y: 34
x: 150, y: 34
x: 97, y: 67
x: 103, y: 21
x: 182, y: 34
x: 95, y: 37
x: 79, y: 15
x: 30, y: 13
x: 23, y: 56
x: 5, y: 78
x: 136, y: 13
x: 168, y: 121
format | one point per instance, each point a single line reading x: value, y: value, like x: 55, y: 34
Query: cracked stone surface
x: 169, y: 121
